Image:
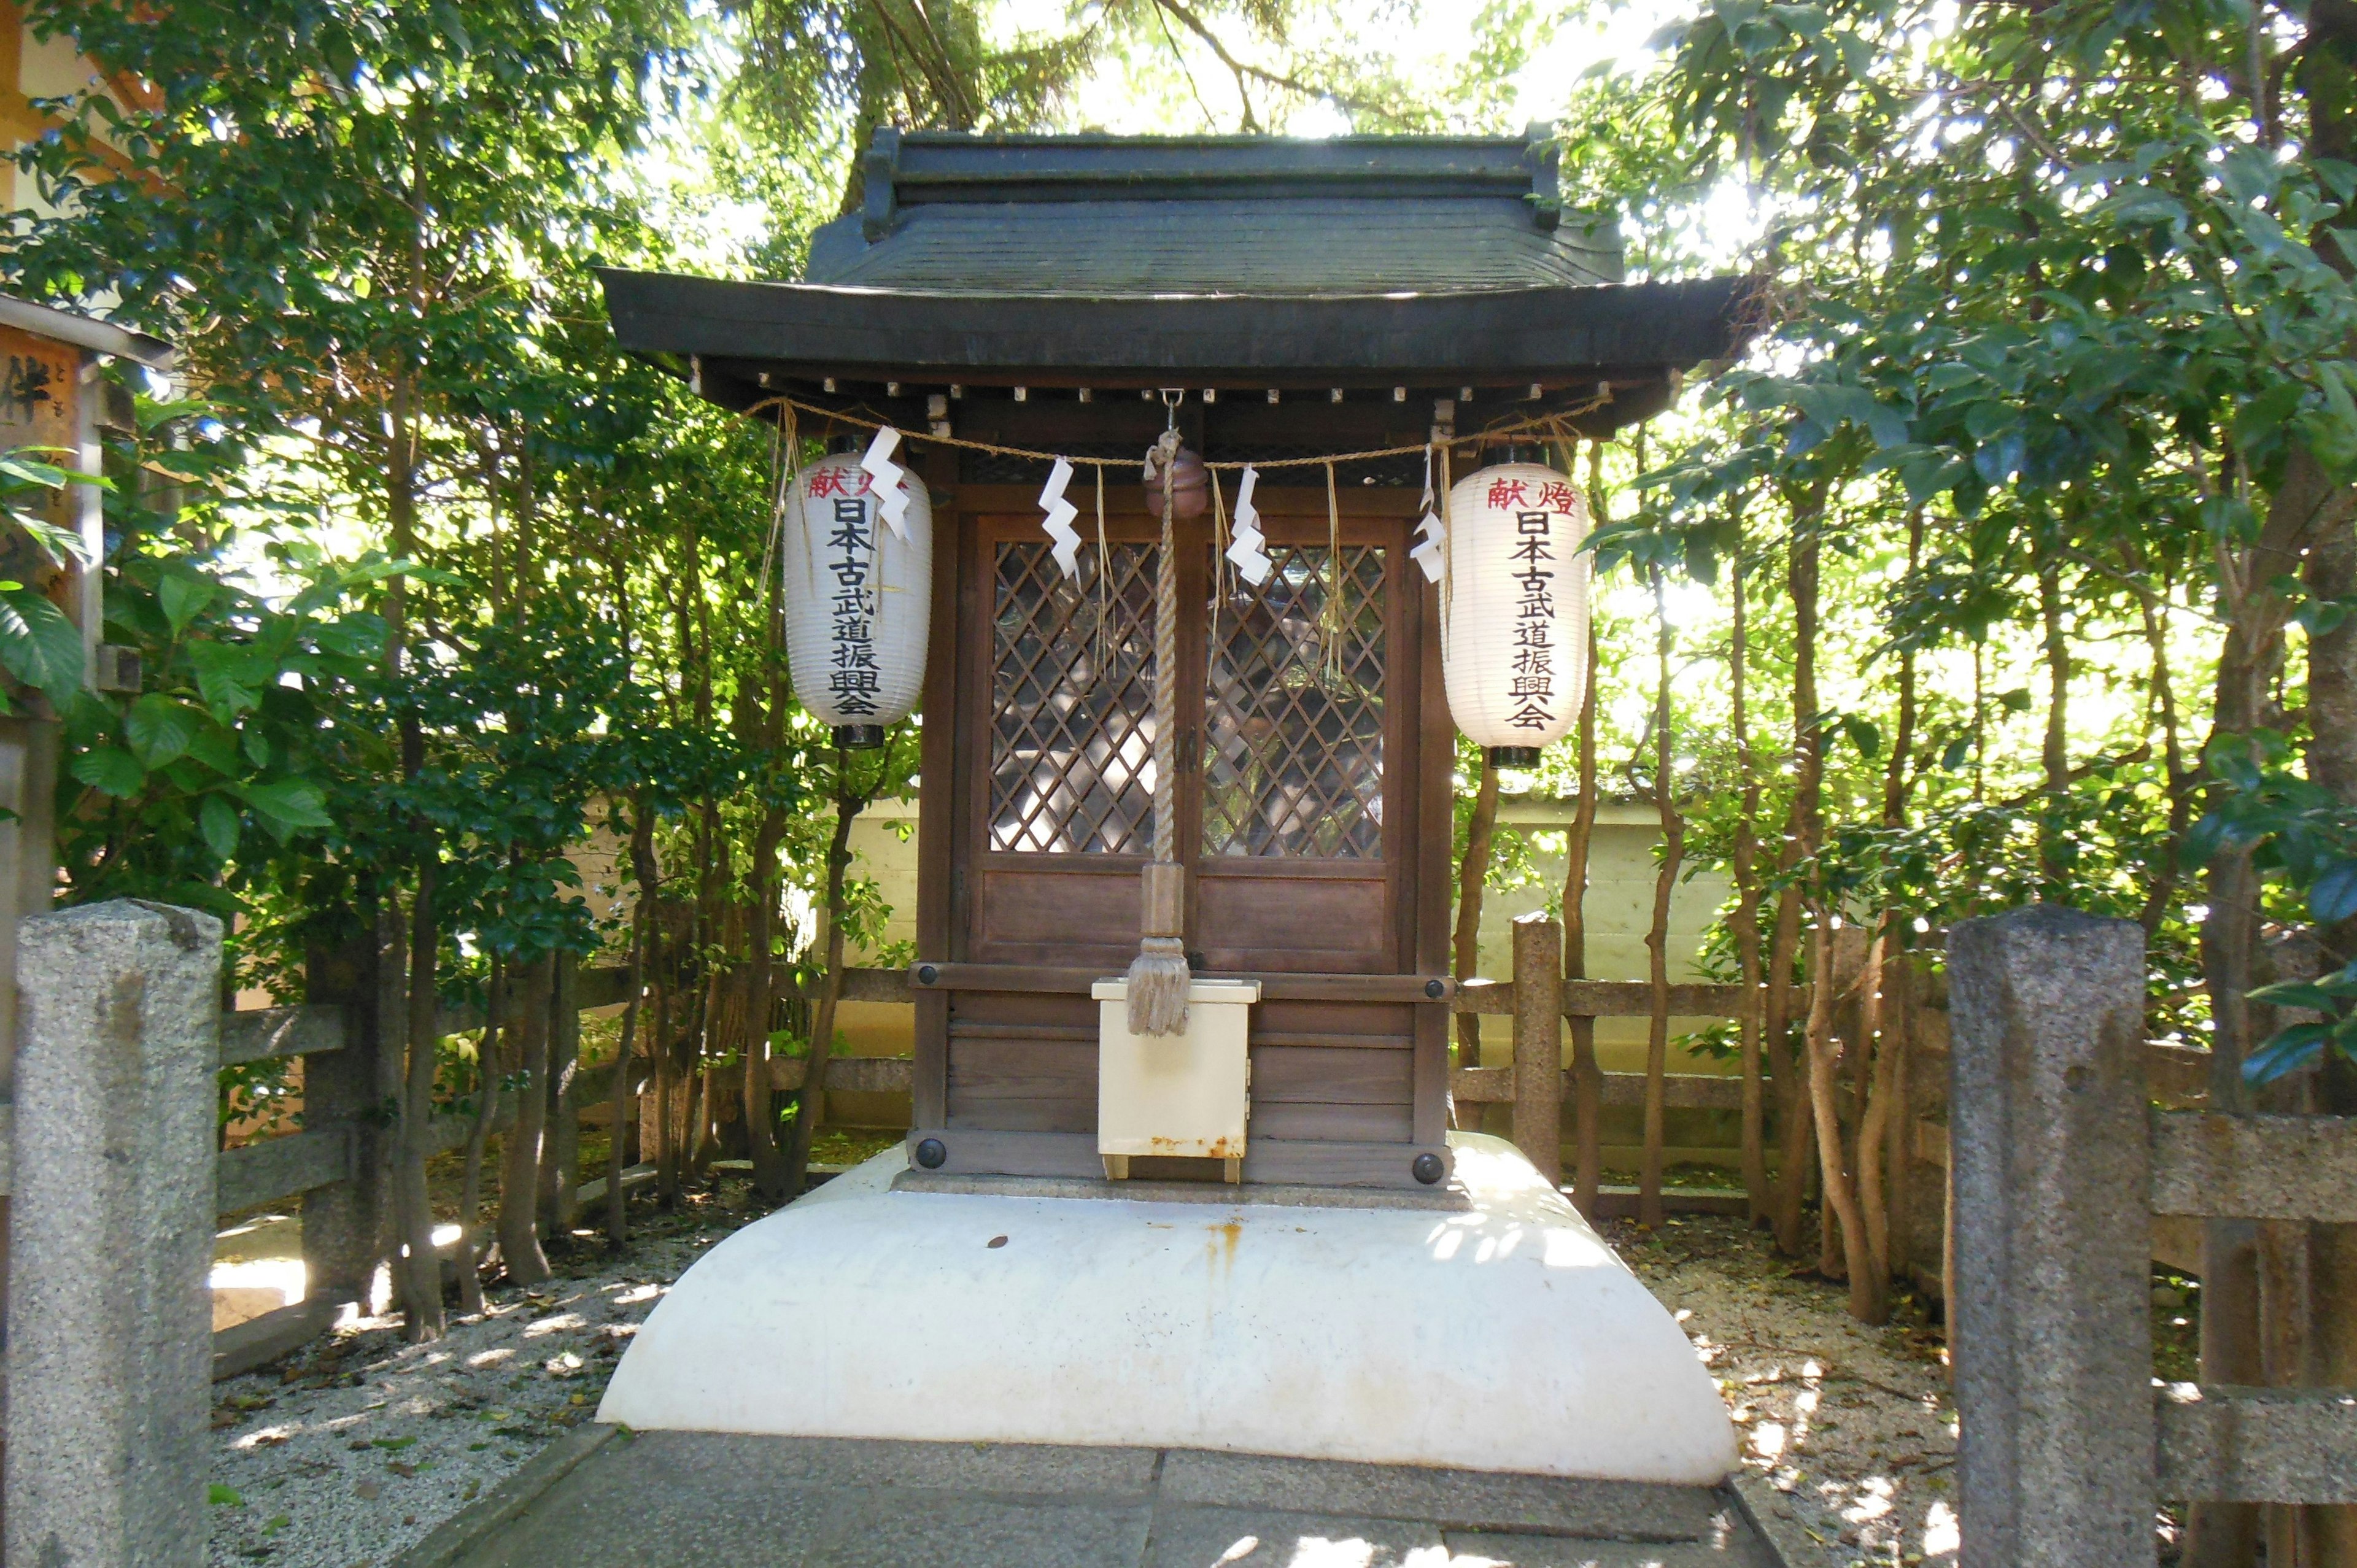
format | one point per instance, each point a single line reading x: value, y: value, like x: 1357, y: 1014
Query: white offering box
x: 1186, y: 1094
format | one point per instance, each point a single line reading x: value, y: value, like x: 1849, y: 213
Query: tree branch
x: 1242, y: 69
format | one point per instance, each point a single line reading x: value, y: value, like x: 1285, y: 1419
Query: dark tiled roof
x: 1122, y: 217
x: 1113, y: 262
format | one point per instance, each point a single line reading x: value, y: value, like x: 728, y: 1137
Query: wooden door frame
x: 955, y: 761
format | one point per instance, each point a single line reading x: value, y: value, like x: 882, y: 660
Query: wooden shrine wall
x: 1340, y: 902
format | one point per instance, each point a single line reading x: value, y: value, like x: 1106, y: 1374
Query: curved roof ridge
x: 1102, y: 215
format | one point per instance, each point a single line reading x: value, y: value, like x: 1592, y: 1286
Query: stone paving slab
x: 904, y: 1527
x: 677, y: 1499
x: 1481, y: 1549
x: 1186, y: 1537
x: 1461, y: 1499
x: 997, y: 1469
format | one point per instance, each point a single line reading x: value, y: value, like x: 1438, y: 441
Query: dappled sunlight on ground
x: 355, y: 1449
x: 1849, y: 1432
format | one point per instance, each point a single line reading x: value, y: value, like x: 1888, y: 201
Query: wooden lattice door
x: 1291, y: 716
x: 1306, y: 773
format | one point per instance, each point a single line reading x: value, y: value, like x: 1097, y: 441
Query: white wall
x: 1621, y: 872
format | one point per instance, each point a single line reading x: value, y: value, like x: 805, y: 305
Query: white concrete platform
x: 1501, y: 1336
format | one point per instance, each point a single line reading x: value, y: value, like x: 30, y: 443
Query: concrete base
x: 1505, y: 1336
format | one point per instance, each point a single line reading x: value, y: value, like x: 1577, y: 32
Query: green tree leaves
x: 217, y: 819
x: 37, y: 644
x: 160, y: 728
x: 111, y: 770
x: 286, y: 806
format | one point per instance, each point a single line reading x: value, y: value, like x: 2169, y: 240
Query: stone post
x: 2051, y: 1313
x: 1538, y: 1043
x: 110, y: 1351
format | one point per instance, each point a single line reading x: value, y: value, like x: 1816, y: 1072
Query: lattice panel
x: 1071, y: 768
x: 1293, y: 749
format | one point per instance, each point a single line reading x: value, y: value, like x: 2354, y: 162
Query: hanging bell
x: 1190, y: 482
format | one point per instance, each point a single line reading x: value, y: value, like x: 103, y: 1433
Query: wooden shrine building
x: 1306, y: 298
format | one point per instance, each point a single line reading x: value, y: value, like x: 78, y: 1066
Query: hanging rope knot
x: 1160, y: 457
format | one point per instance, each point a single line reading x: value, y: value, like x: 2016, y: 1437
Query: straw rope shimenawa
x: 1548, y: 426
x: 1160, y: 976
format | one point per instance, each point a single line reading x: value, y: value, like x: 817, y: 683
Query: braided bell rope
x: 1165, y: 672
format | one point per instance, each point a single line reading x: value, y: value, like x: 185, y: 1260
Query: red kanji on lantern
x: 837, y: 482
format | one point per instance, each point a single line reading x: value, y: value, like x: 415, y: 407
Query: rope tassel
x: 1159, y: 975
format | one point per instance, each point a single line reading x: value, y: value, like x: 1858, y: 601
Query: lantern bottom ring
x: 860, y: 737
x: 1514, y: 756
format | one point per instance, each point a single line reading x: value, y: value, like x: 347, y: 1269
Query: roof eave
x: 1536, y: 334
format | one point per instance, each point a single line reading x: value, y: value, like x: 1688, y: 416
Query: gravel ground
x: 1852, y: 1429
x: 349, y: 1452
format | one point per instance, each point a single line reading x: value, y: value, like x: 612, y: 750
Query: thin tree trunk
x: 1800, y: 844
x: 560, y: 1148
x: 698, y: 1165
x: 1657, y: 937
x: 1472, y: 872
x: 1896, y: 775
x: 705, y: 1128
x: 1587, y: 1076
x: 478, y: 1136
x: 643, y: 871
x: 421, y: 1269
x: 1789, y: 1078
x: 417, y: 1267
x: 1746, y: 919
x: 1980, y: 722
x: 811, y: 1098
x: 2181, y: 779
x: 1877, y: 1082
x: 665, y: 1052
x: 2057, y: 748
x: 417, y: 1270
x: 1881, y: 1043
x: 760, y: 1119
x: 1833, y: 1262
x: 1868, y: 1293
x: 519, y: 1247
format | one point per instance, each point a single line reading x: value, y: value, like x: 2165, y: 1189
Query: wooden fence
x: 335, y: 1166
x: 339, y: 1163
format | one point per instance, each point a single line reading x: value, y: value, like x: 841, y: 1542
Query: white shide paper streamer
x: 1428, y: 552
x: 885, y: 476
x: 1058, y: 524
x: 1247, y: 549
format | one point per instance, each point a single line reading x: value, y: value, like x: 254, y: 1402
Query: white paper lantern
x: 1514, y: 607
x: 858, y: 599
